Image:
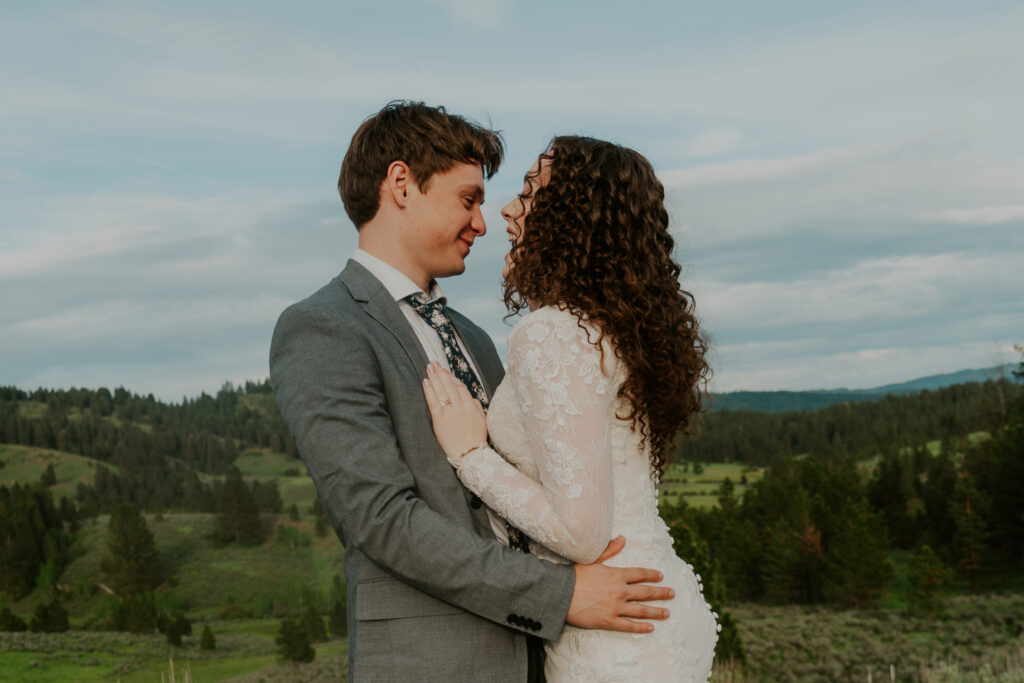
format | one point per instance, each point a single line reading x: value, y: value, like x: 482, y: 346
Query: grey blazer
x: 431, y: 595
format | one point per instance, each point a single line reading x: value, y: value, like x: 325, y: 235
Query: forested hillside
x: 858, y: 430
x: 155, y: 451
x: 893, y: 502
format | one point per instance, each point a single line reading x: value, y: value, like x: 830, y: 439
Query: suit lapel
x: 379, y: 305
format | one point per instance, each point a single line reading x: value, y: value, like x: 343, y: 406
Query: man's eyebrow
x: 474, y: 189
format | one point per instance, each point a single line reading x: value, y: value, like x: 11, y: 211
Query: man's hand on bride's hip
x: 460, y: 423
x: 612, y: 598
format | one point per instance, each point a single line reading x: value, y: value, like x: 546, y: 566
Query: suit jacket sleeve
x: 330, y: 390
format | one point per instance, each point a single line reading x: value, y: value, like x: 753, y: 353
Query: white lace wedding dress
x: 572, y: 476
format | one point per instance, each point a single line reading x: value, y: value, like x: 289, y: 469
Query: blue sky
x: 845, y: 180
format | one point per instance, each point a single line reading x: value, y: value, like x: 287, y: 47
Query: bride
x: 602, y: 373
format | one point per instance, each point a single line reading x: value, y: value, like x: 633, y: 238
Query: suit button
x: 511, y: 618
x: 536, y: 626
x: 521, y: 621
x: 475, y: 502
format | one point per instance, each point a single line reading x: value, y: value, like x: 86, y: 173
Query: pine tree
x: 314, y: 624
x: 971, y: 534
x: 207, y: 641
x: 925, y: 580
x: 856, y: 569
x: 49, y: 477
x: 238, y: 516
x: 293, y: 641
x: 338, y: 621
x: 132, y: 564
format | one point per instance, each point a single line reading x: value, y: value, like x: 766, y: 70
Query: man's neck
x: 392, y: 256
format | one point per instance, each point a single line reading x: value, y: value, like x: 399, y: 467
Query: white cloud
x: 981, y: 215
x: 13, y: 175
x: 804, y: 369
x: 711, y: 142
x: 757, y: 170
x: 894, y: 288
x: 481, y: 13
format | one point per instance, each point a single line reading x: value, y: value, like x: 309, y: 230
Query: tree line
x: 152, y: 452
x: 859, y: 429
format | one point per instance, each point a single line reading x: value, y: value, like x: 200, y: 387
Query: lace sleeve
x: 565, y: 400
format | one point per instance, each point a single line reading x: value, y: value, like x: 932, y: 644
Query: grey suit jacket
x: 431, y: 594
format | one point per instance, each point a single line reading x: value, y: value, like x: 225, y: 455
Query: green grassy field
x: 701, y: 490
x: 26, y: 464
x: 244, y: 649
x: 264, y: 580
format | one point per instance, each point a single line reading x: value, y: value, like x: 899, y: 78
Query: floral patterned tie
x: 435, y: 313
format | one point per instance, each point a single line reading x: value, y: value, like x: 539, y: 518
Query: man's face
x: 442, y: 222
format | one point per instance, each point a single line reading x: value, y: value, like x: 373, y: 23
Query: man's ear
x: 398, y: 182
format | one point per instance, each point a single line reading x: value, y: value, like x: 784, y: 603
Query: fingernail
x: 660, y: 576
x: 426, y: 382
x: 664, y: 614
x: 650, y: 627
x: 671, y: 593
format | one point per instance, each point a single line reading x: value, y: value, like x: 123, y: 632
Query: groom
x: 432, y: 596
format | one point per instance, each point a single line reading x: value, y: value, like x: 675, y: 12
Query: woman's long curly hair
x: 596, y: 241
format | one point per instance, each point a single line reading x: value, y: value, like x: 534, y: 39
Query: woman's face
x: 516, y: 210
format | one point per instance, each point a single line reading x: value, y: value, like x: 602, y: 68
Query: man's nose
x: 478, y: 224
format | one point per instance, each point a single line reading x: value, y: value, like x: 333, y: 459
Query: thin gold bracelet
x: 470, y: 450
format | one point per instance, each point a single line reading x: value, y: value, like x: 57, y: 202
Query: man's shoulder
x: 337, y: 301
x: 330, y: 302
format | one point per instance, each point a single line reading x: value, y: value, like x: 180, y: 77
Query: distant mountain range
x: 787, y: 401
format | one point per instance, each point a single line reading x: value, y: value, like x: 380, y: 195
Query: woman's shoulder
x: 547, y: 322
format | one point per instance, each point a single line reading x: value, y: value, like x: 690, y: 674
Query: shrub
x: 11, y: 622
x: 177, y: 625
x: 234, y: 612
x: 135, y: 614
x: 292, y: 537
x: 49, y: 617
x: 293, y: 641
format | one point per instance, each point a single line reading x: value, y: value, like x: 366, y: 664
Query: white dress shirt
x: 400, y: 286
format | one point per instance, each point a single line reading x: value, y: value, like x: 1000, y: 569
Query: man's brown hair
x: 428, y: 139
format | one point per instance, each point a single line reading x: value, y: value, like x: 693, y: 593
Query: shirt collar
x: 395, y: 281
